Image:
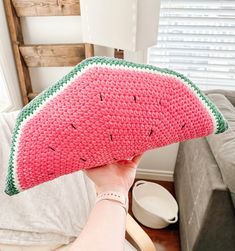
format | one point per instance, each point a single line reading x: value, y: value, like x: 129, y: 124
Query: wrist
x: 114, y: 197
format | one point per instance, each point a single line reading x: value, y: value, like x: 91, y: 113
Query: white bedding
x: 52, y: 213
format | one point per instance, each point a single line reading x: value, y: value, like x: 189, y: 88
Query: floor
x: 166, y: 239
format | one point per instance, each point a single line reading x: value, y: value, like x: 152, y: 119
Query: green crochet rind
x: 39, y: 100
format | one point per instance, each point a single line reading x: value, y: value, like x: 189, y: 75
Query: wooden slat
x: 16, y: 40
x: 46, y: 7
x: 89, y: 50
x: 118, y: 53
x: 32, y: 95
x: 53, y: 55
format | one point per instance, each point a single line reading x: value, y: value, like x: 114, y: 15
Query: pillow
x: 105, y: 110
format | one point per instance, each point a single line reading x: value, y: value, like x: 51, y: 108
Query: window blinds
x: 197, y: 38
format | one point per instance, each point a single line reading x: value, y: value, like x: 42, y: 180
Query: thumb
x: 137, y: 159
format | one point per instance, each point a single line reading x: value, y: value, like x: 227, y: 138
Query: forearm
x: 105, y: 228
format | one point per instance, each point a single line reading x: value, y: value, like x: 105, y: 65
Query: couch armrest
x: 229, y: 94
x: 205, y: 205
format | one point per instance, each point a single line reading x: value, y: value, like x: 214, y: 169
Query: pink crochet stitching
x: 103, y: 116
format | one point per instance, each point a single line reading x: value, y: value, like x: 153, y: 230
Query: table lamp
x: 130, y: 25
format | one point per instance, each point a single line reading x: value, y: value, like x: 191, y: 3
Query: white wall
x: 53, y: 30
x: 9, y: 88
x: 44, y: 30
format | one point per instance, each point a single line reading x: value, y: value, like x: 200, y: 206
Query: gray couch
x: 205, y: 185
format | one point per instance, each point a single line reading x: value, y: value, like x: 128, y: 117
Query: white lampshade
x: 123, y: 24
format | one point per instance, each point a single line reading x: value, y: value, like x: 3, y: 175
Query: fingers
x: 137, y: 158
x: 123, y: 162
x: 130, y: 161
x: 127, y: 162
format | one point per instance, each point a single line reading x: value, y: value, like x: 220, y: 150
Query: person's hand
x: 118, y: 176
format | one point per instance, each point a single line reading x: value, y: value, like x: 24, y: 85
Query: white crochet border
x: 79, y: 73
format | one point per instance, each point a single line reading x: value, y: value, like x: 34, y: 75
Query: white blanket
x: 52, y: 213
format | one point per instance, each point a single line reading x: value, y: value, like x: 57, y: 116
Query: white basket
x: 153, y: 205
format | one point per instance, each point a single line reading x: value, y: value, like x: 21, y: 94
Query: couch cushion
x: 223, y: 145
x: 229, y: 94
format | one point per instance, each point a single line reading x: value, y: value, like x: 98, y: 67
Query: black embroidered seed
x: 182, y: 127
x: 135, y: 98
x: 83, y: 159
x: 151, y: 132
x: 73, y: 126
x: 111, y: 137
x: 101, y: 98
x: 51, y: 148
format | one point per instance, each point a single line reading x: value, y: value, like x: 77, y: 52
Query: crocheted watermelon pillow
x: 105, y: 110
